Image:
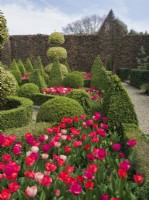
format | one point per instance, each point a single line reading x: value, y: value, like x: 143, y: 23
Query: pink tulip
x: 31, y: 191
x: 75, y: 188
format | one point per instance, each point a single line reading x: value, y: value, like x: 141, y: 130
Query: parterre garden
x: 85, y: 141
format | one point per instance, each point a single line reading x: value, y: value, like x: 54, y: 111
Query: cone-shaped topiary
x: 37, y: 79
x: 57, y: 108
x: 56, y: 38
x: 55, y: 75
x: 8, y: 85
x: 117, y: 105
x: 28, y: 89
x: 63, y: 69
x: 57, y: 53
x: 82, y: 97
x: 67, y: 65
x: 21, y: 67
x: 73, y: 81
x: 46, y: 78
x: 15, y: 71
x: 28, y: 65
x: 96, y: 66
x: 38, y: 65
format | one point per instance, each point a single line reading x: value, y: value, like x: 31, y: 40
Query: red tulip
x: 46, y: 181
x: 5, y: 194
x: 75, y: 188
x: 13, y: 186
x: 50, y: 167
x: 138, y: 178
x: 89, y: 185
x: 122, y: 173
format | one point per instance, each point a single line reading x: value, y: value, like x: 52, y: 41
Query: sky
x: 46, y: 16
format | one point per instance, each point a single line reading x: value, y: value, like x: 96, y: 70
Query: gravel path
x: 141, y: 104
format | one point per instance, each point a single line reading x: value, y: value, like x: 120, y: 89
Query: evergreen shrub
x: 28, y: 89
x: 73, y: 81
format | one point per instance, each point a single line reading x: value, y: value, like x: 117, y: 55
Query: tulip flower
x: 31, y: 192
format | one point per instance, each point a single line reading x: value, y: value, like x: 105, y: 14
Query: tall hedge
x: 138, y: 77
x: 37, y: 79
x: 21, y: 67
x: 117, y: 105
x: 123, y: 73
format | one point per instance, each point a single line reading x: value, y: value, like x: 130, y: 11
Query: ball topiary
x: 57, y: 108
x: 73, y: 81
x: 56, y: 38
x: 21, y: 67
x: 28, y: 89
x: 82, y: 97
x: 57, y: 53
x: 63, y: 69
x: 8, y: 85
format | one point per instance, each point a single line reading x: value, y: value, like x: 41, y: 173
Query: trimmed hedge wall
x: 123, y: 73
x: 138, y: 77
x: 16, y: 117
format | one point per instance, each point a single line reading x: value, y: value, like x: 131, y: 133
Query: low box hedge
x: 132, y: 131
x: 123, y: 73
x: 19, y: 114
x: 138, y: 77
x: 40, y: 98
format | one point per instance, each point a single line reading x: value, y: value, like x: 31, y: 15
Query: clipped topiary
x: 37, y: 79
x: 56, y: 38
x: 117, y: 105
x: 15, y: 71
x: 28, y: 65
x: 8, y: 85
x: 21, y: 67
x: 46, y: 78
x: 67, y: 65
x: 57, y: 53
x: 3, y: 30
x: 28, y: 89
x: 63, y: 69
x: 38, y: 65
x: 95, y: 70
x: 57, y: 108
x: 82, y: 97
x: 55, y: 78
x: 73, y: 81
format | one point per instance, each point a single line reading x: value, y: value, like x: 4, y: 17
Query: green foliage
x: 123, y: 73
x: 38, y: 65
x: 8, y: 85
x: 67, y: 65
x: 57, y: 53
x: 40, y: 98
x: 28, y: 65
x: 82, y: 97
x: 37, y: 79
x: 56, y: 38
x: 78, y: 73
x: 55, y: 75
x: 46, y: 78
x: 57, y: 108
x: 28, y: 89
x: 63, y: 69
x: 110, y: 63
x: 117, y: 105
x: 3, y: 30
x: 145, y: 87
x: 142, y: 59
x: 15, y: 71
x: 95, y: 70
x: 19, y: 115
x: 138, y: 77
x: 73, y: 81
x: 21, y: 67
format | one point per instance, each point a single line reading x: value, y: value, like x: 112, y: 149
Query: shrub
x: 15, y: 71
x: 82, y: 97
x: 73, y: 81
x: 123, y: 73
x: 55, y: 109
x: 3, y: 30
x: 37, y: 79
x: 145, y: 87
x: 117, y: 105
x: 63, y: 69
x: 40, y: 98
x: 20, y: 115
x: 142, y: 59
x: 67, y: 65
x: 28, y: 89
x: 55, y: 75
x: 21, y: 67
x: 138, y: 77
x: 28, y: 65
x: 46, y: 78
x: 38, y: 65
x: 78, y: 73
x: 57, y: 53
x: 56, y: 38
x: 95, y: 70
x: 8, y: 85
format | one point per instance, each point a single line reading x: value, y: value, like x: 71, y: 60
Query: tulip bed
x: 78, y: 159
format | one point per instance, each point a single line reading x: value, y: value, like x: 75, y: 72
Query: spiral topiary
x: 63, y: 69
x: 82, y: 97
x: 8, y: 85
x: 56, y: 38
x: 73, y: 81
x: 57, y: 108
x: 28, y: 89
x: 57, y: 53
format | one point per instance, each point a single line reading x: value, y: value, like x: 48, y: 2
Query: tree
x: 86, y: 25
x: 142, y: 59
x: 3, y: 30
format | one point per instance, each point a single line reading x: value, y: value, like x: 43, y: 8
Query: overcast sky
x: 45, y: 16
